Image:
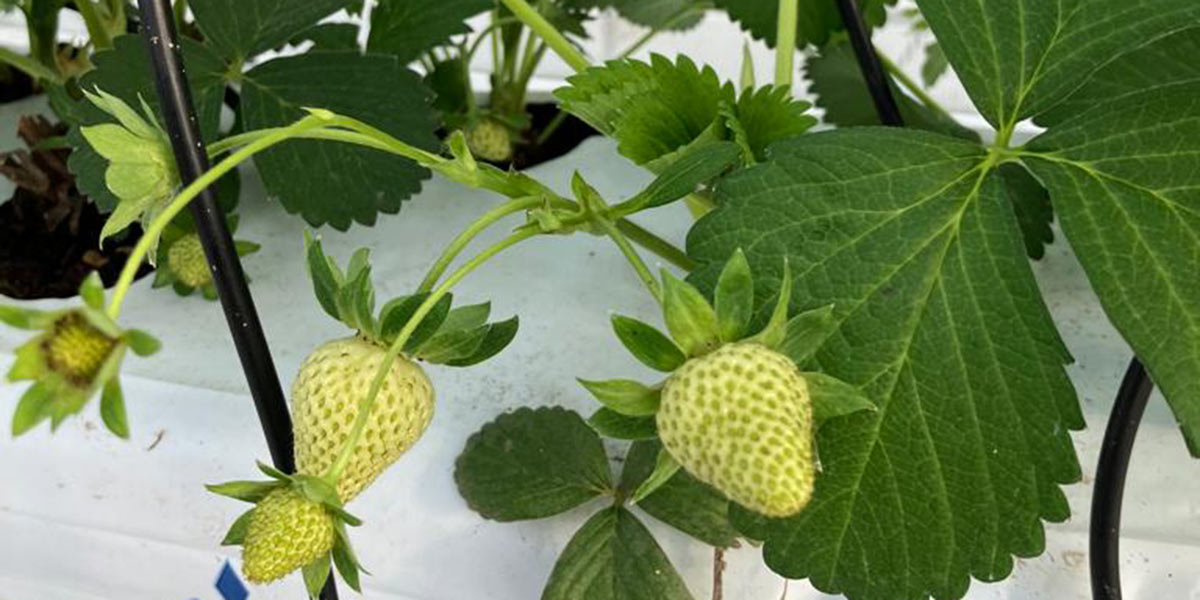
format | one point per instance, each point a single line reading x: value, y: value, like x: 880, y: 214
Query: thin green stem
x: 785, y: 48
x: 557, y: 41
x: 680, y: 15
x: 156, y: 227
x: 368, y: 403
x: 664, y: 249
x: 456, y: 246
x: 644, y: 273
x: 910, y: 84
x: 552, y: 127
x: 97, y: 29
x: 29, y: 66
x: 483, y: 35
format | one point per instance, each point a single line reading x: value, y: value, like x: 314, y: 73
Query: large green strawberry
x: 286, y: 531
x: 332, y: 382
x: 740, y: 419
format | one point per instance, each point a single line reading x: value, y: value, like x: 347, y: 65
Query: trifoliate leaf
x: 240, y: 29
x: 817, y: 18
x: 941, y: 325
x: 532, y: 464
x: 409, y: 28
x: 328, y: 182
x: 837, y: 81
x: 1018, y: 58
x: 614, y: 556
x: 1031, y: 204
x: 1123, y: 180
x: 682, y: 502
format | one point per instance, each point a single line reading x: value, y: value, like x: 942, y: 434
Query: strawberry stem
x: 644, y: 272
x: 368, y: 403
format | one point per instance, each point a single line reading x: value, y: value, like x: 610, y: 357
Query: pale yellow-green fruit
x: 489, y: 139
x: 740, y: 419
x: 332, y: 382
x: 286, y: 532
x: 75, y: 349
x: 185, y: 259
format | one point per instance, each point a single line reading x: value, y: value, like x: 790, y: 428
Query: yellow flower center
x: 75, y: 349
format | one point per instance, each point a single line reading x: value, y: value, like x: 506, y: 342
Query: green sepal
x: 430, y: 325
x: 625, y: 396
x: 665, y: 467
x: 325, y: 282
x: 499, y: 336
x: 317, y: 490
x: 460, y: 149
x: 236, y: 535
x: 182, y: 289
x: 26, y: 318
x: 29, y: 363
x: 208, y: 291
x: 590, y: 199
x: 92, y: 291
x: 272, y: 472
x: 682, y: 177
x: 453, y: 345
x: 245, y: 248
x: 397, y: 312
x: 344, y: 558
x: 615, y: 425
x: 689, y: 317
x: 315, y: 574
x: 773, y: 334
x: 32, y: 408
x: 806, y: 332
x: 734, y: 297
x: 648, y: 344
x: 142, y: 343
x: 832, y: 397
x: 112, y: 408
x: 465, y: 317
x: 246, y: 491
x: 356, y: 299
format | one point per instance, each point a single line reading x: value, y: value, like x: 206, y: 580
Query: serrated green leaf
x: 449, y: 82
x: 240, y: 29
x: 832, y: 398
x: 1170, y: 59
x: 409, y: 28
x: 315, y: 573
x: 685, y: 175
x: 329, y: 182
x: 651, y: 109
x: 329, y: 36
x: 941, y: 325
x: 648, y: 344
x: 112, y: 408
x: 142, y: 343
x: 499, y: 336
x: 531, y: 464
x: 614, y: 556
x: 246, y: 491
x: 734, y: 297
x: 837, y: 81
x: 682, y: 502
x: 625, y: 396
x: 806, y: 332
x: 1058, y: 45
x: 612, y: 424
x: 1124, y: 182
x: 236, y: 534
x: 761, y: 118
x: 817, y: 18
x: 1031, y: 203
x: 689, y: 317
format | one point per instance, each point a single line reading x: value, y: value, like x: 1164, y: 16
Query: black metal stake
x: 175, y: 97
x: 1109, y: 487
x: 868, y: 62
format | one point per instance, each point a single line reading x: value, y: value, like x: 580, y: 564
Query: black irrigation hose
x: 868, y: 63
x: 158, y: 29
x: 1109, y: 487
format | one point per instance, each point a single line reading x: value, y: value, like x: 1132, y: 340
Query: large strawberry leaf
x: 1125, y: 180
x: 408, y: 28
x: 910, y: 236
x: 328, y: 182
x: 614, y: 557
x: 1018, y: 58
x: 240, y: 29
x: 532, y: 464
x: 1167, y: 60
x: 817, y: 18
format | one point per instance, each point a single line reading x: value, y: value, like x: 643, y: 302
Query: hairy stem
x: 910, y: 84
x: 644, y: 273
x: 368, y: 403
x: 785, y: 47
x: 194, y: 189
x: 648, y: 240
x: 460, y: 242
x: 540, y: 26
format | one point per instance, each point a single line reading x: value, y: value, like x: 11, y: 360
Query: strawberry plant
x: 859, y: 372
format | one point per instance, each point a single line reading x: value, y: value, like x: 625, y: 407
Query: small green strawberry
x: 490, y: 140
x: 740, y: 419
x: 185, y: 259
x: 325, y: 400
x: 286, y: 532
x: 181, y: 262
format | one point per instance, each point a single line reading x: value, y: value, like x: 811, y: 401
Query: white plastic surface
x: 84, y: 516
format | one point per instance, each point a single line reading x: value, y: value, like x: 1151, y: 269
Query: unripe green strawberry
x: 185, y: 259
x: 740, y: 419
x: 286, y: 532
x: 75, y: 349
x: 332, y: 382
x: 489, y: 140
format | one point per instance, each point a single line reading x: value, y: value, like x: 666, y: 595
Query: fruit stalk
x: 460, y: 242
